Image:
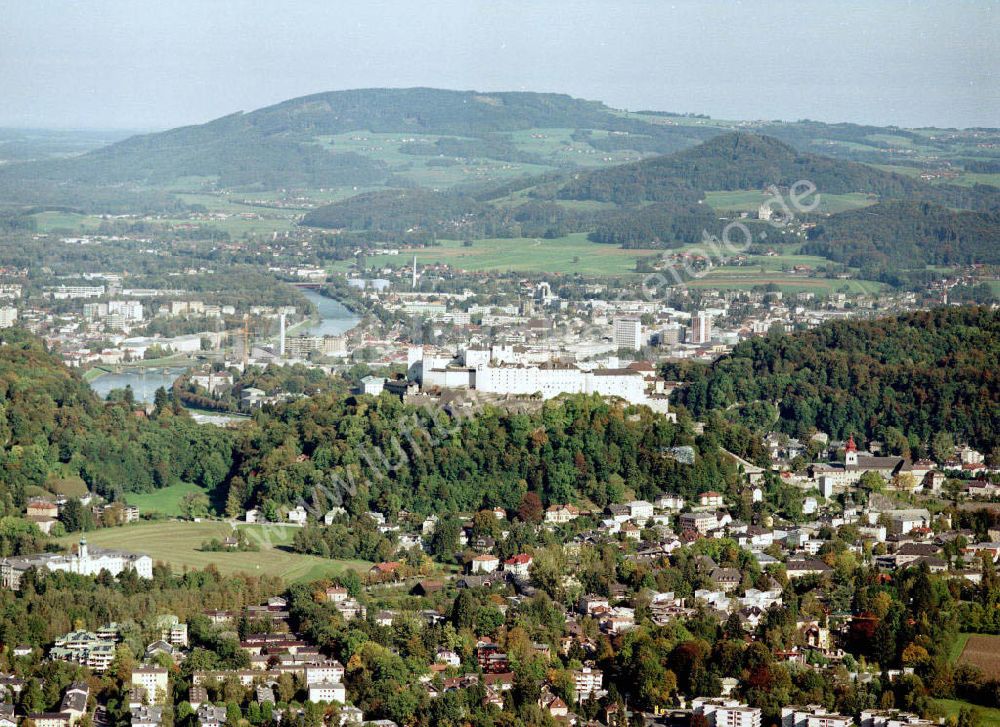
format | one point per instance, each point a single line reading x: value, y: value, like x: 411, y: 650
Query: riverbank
x: 176, y: 360
x: 335, y: 318
x: 144, y: 380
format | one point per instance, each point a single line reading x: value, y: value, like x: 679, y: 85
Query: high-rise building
x: 628, y: 333
x: 701, y: 328
x: 670, y: 335
x: 8, y: 316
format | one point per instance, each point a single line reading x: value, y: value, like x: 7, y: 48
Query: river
x: 334, y: 320
x: 144, y: 381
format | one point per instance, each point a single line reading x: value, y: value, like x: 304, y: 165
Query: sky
x: 155, y: 64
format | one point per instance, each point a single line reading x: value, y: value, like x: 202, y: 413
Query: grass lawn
x: 178, y: 544
x: 956, y: 647
x: 166, y: 500
x: 988, y: 716
x: 51, y: 221
x: 570, y: 254
x: 91, y: 374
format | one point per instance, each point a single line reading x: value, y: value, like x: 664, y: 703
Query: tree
x: 160, y: 400
x: 444, y: 541
x: 548, y: 569
x: 905, y: 481
x: 464, y: 609
x: 968, y: 717
x: 234, y: 504
x: 73, y: 516
x: 195, y: 505
x: 942, y: 446
x: 530, y: 510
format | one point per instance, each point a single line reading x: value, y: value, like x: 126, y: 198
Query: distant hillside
x: 277, y: 146
x: 659, y: 202
x: 907, y: 235
x: 444, y: 139
x: 393, y: 211
x: 419, y: 215
x: 741, y: 160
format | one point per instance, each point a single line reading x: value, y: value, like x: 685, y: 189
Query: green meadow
x: 178, y: 544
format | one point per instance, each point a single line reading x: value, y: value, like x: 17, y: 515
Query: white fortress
x: 509, y: 370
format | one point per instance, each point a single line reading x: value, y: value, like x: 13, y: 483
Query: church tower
x: 851, y: 453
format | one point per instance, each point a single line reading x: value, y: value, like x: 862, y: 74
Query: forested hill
x: 750, y: 161
x: 660, y: 201
x: 907, y: 235
x: 380, y: 453
x: 900, y: 380
x: 279, y: 145
x: 54, y: 430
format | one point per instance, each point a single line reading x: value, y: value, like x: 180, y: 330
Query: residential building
x: 324, y: 672
x: 518, y: 565
x: 484, y: 564
x: 8, y: 316
x: 74, y: 701
x: 211, y: 716
x: 559, y: 514
x: 50, y: 719
x: 726, y: 712
x: 701, y: 522
x: 153, y: 679
x: 588, y: 682
x: 173, y: 631
x: 812, y: 715
x: 628, y: 334
x: 800, y: 568
x: 701, y: 328
x: 85, y: 648
x: 147, y: 716
x: 327, y: 692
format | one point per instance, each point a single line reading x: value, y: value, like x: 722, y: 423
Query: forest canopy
x: 919, y: 374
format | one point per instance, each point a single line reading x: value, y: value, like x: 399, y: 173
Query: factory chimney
x: 281, y: 337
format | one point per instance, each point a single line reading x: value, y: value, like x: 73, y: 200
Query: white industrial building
x: 506, y: 370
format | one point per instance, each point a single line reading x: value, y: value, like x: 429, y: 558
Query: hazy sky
x: 163, y: 63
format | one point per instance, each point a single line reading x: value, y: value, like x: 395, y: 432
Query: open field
x: 956, y: 647
x: 988, y: 716
x: 166, y: 500
x: 964, y: 179
x: 177, y: 543
x: 983, y: 651
x: 751, y: 276
x: 786, y: 284
x: 426, y: 170
x: 265, y: 220
x: 574, y: 253
x: 750, y: 200
x: 571, y: 254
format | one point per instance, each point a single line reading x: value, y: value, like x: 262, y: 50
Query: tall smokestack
x: 413, y: 284
x: 281, y: 337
